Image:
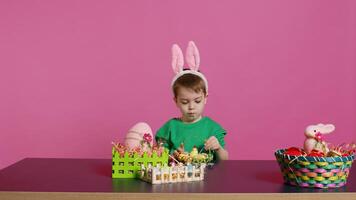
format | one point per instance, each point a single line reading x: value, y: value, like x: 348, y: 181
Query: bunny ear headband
x: 193, y: 59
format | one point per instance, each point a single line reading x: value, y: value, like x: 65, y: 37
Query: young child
x: 190, y: 89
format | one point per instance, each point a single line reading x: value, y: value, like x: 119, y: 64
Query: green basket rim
x: 280, y: 153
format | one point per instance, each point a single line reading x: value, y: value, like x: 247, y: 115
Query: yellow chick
x: 194, y: 152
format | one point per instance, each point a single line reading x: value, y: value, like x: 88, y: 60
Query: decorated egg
x: 137, y: 134
x: 316, y: 153
x: 294, y: 151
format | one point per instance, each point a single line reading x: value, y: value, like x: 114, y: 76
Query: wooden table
x: 42, y: 178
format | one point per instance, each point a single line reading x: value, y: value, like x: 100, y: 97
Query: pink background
x: 76, y: 75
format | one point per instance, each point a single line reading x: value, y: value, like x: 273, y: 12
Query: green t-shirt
x: 174, y: 132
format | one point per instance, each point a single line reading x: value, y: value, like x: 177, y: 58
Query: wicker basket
x: 314, y: 172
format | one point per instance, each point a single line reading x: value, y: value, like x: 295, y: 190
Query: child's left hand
x: 212, y: 143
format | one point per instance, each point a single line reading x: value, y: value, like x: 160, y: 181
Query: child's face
x: 190, y: 103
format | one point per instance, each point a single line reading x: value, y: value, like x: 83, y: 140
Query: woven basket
x: 314, y: 172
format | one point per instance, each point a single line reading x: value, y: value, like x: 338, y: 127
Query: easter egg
x: 294, y: 151
x: 316, y: 153
x: 136, y: 134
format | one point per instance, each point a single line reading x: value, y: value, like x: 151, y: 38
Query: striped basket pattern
x: 314, y: 172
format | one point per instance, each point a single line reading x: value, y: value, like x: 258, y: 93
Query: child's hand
x: 212, y: 143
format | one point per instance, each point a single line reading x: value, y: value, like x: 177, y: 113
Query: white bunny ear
x: 177, y: 59
x: 328, y: 128
x: 192, y: 56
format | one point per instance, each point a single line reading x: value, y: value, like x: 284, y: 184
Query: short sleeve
x: 221, y: 138
x: 219, y: 133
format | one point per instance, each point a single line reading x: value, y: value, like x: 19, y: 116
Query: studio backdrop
x: 75, y: 75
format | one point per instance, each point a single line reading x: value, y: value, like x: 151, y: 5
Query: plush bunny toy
x: 314, y: 138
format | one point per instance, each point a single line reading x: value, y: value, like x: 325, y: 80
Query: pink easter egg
x: 135, y: 135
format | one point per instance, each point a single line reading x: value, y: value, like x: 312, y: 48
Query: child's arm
x: 213, y: 144
x: 222, y: 154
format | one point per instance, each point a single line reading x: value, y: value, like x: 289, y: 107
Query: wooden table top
x: 51, y: 175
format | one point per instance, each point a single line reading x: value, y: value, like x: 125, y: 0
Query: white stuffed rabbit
x: 314, y: 138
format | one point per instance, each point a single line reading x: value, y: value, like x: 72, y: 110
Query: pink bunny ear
x: 177, y: 59
x: 192, y: 56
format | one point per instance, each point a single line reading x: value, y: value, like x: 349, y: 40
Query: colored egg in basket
x: 313, y: 171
